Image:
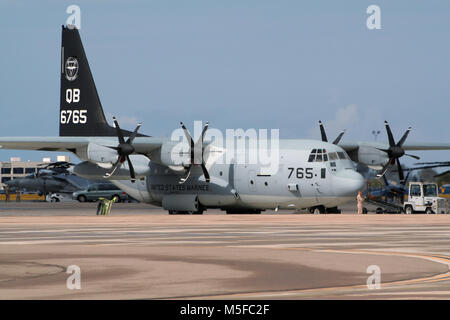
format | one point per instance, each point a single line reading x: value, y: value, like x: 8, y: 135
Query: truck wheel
x: 409, y: 210
x: 365, y: 210
x: 379, y: 210
x: 81, y: 198
x: 429, y: 211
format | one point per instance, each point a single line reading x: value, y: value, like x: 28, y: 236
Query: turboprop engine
x: 180, y: 160
x: 102, y: 155
x: 371, y: 157
x: 90, y: 170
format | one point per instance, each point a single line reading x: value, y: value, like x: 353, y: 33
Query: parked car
x: 100, y: 190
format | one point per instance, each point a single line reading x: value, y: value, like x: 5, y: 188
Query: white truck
x: 423, y: 197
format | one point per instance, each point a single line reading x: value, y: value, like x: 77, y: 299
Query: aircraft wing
x: 43, y: 143
x: 143, y: 145
x: 352, y: 146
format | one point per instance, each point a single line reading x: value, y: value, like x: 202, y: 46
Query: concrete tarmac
x: 141, y: 252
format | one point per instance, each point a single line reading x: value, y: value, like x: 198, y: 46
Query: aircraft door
x: 321, y: 182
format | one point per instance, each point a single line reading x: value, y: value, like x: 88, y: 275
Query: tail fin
x: 81, y: 113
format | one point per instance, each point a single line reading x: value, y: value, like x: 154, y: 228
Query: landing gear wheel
x: 317, y: 210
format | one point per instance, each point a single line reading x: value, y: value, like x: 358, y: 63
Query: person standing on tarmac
x: 360, y: 202
x: 6, y: 193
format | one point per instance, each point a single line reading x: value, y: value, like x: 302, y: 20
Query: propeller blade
x: 188, y: 173
x: 401, y: 174
x: 133, y: 135
x: 205, y: 173
x: 322, y: 132
x: 189, y: 139
x: 204, y: 130
x: 386, y: 182
x: 406, y: 179
x: 402, y: 140
x: 412, y: 156
x: 116, y: 165
x: 336, y: 141
x: 118, y: 131
x: 198, y: 147
x: 389, y: 133
x: 385, y: 168
x: 130, y: 166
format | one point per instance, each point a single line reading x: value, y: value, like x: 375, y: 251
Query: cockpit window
x: 318, y: 155
x: 333, y: 156
x: 342, y: 155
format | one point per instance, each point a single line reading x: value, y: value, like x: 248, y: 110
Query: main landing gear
x: 322, y: 209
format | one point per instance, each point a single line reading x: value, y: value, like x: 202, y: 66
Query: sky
x: 237, y: 64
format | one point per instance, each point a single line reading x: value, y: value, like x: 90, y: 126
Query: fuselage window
x: 312, y: 156
x: 319, y: 158
x: 325, y: 158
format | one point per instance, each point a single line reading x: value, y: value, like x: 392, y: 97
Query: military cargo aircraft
x: 184, y: 176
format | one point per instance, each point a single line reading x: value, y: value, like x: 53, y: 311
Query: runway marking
x: 385, y: 285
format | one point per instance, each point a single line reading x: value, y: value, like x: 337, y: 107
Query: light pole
x: 376, y: 133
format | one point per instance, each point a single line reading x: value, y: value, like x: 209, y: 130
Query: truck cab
x: 423, y: 197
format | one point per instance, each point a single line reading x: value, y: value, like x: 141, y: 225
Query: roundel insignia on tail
x: 71, y: 67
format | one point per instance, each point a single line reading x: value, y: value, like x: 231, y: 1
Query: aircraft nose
x: 348, y: 183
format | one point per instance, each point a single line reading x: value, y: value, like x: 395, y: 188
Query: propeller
x: 124, y: 149
x: 196, y: 153
x: 395, y: 152
x: 324, y: 135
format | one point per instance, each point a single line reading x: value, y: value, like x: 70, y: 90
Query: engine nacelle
x: 97, y: 153
x: 175, y: 155
x: 372, y: 157
x: 91, y: 170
